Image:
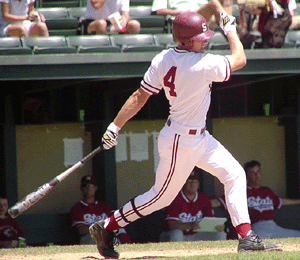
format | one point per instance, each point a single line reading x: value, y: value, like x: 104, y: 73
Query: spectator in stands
x: 96, y: 20
x: 10, y: 230
x: 183, y: 215
x: 175, y: 7
x: 261, y: 203
x: 272, y: 19
x: 90, y: 210
x: 19, y: 19
x: 295, y: 18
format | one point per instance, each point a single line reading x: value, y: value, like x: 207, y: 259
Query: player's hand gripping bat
x: 40, y: 192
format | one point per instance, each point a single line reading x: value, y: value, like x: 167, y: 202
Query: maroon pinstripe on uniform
x: 165, y: 186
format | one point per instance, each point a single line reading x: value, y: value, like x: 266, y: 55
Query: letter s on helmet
x: 190, y: 26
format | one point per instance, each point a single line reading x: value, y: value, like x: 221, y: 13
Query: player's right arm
x: 131, y: 107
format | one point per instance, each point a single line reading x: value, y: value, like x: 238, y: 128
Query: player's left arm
x: 237, y: 59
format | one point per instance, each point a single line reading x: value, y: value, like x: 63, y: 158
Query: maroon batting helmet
x: 190, y: 26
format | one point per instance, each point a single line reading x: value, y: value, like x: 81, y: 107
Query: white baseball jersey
x: 183, y: 5
x: 109, y: 7
x: 186, y: 78
x: 188, y: 87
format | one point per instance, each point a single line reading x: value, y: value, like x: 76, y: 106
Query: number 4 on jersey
x: 169, y: 81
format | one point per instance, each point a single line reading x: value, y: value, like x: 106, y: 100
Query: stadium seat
x: 77, y: 12
x: 294, y: 36
x: 59, y: 21
x: 297, y: 10
x: 141, y: 2
x: 137, y: 11
x: 13, y: 46
x: 236, y: 12
x: 152, y: 24
x: 218, y: 42
x: 58, y: 3
x: 136, y: 43
x: 49, y: 45
x: 165, y: 40
x: 93, y: 44
x: 287, y: 44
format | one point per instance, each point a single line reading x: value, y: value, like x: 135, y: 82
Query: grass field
x: 224, y: 250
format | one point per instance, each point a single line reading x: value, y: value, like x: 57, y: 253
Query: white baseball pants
x: 180, y: 151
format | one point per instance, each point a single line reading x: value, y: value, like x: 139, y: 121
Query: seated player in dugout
x: 182, y: 216
x: 90, y: 210
x: 262, y: 201
x: 11, y: 233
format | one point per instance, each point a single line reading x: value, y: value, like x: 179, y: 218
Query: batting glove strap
x: 109, y: 138
x: 227, y: 23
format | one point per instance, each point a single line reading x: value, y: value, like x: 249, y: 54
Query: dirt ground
x: 136, y: 255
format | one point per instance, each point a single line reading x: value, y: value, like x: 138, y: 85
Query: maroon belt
x: 191, y: 131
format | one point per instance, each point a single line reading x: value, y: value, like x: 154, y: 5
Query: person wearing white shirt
x: 295, y: 18
x: 19, y: 19
x: 176, y: 7
x: 97, y: 14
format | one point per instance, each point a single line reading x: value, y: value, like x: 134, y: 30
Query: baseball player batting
x: 186, y: 74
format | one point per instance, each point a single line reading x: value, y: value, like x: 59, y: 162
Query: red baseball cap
x: 88, y: 179
x: 194, y: 175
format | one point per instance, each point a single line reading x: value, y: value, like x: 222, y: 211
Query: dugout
x: 49, y: 91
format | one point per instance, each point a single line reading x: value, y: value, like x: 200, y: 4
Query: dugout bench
x: 42, y: 229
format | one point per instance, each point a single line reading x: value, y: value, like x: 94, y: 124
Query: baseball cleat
x: 252, y: 243
x: 104, y: 240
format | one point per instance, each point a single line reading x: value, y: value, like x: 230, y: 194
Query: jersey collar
x: 86, y: 204
x: 186, y: 199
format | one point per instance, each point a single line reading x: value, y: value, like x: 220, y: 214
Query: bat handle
x: 92, y: 154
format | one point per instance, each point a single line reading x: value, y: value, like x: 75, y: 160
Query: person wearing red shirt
x: 183, y: 215
x: 261, y: 203
x: 90, y: 210
x: 10, y: 230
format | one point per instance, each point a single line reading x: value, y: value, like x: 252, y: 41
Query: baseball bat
x: 43, y: 190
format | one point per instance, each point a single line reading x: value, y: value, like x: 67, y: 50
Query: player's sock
x: 111, y: 224
x: 243, y: 229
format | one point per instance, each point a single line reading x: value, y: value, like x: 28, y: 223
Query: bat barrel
x: 32, y: 198
x: 40, y: 192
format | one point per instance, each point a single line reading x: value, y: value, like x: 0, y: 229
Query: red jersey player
x: 183, y: 215
x: 10, y: 230
x: 261, y: 203
x: 90, y: 210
